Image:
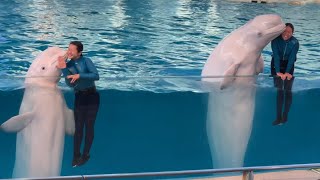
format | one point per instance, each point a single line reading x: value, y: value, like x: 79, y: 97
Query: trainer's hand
x: 281, y: 75
x: 61, y: 62
x: 73, y: 77
x: 288, y: 76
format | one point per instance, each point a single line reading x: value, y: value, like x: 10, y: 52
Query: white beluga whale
x: 234, y: 64
x: 43, y: 120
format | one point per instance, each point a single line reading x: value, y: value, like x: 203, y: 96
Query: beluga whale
x: 230, y: 72
x: 43, y: 120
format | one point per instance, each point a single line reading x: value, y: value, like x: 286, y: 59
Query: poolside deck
x: 280, y: 175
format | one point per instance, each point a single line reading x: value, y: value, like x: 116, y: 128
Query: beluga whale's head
x: 263, y: 29
x: 43, y: 70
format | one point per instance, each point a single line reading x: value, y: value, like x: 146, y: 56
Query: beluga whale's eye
x: 43, y: 68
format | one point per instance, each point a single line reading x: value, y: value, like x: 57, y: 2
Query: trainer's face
x: 287, y: 34
x: 73, y: 52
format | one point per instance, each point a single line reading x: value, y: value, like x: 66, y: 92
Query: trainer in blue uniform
x: 284, y: 54
x: 81, y: 75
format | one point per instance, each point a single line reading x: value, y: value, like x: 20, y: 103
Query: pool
x: 148, y: 121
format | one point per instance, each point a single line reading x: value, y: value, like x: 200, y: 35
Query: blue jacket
x: 284, y: 50
x: 87, y: 71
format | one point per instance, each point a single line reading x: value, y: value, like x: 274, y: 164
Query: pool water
x: 147, y: 121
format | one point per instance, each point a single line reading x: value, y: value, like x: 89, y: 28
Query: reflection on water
x: 145, y: 38
x: 164, y: 84
x: 154, y: 106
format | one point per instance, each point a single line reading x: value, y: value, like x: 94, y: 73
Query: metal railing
x: 171, y: 76
x: 247, y: 172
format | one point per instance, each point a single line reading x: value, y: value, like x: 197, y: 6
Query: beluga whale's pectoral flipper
x: 17, y: 123
x: 260, y: 65
x: 230, y: 73
x: 69, y: 122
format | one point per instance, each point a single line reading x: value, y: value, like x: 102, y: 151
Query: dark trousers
x: 284, y: 93
x: 85, y: 113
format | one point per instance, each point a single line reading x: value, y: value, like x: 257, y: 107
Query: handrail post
x: 247, y: 175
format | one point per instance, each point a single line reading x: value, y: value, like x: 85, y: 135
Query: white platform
x: 280, y: 175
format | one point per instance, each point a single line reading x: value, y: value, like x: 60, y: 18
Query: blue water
x: 142, y: 38
x: 158, y: 124
x: 140, y: 131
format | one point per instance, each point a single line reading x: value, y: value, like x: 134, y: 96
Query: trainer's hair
x: 290, y: 25
x: 78, y: 44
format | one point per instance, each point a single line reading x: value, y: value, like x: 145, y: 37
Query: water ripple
x: 147, y: 37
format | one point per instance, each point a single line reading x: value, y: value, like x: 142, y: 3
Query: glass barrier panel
x: 150, y: 124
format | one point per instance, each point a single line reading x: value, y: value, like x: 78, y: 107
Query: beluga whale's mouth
x: 280, y: 27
